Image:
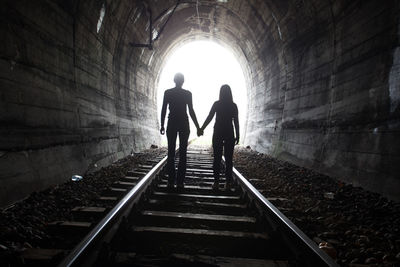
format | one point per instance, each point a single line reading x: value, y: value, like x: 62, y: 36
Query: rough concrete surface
x: 322, y: 81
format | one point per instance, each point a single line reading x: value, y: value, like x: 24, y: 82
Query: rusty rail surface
x: 301, y: 245
x: 116, y: 214
x: 130, y: 198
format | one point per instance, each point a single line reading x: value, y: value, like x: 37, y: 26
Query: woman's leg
x: 217, y: 147
x: 229, y: 145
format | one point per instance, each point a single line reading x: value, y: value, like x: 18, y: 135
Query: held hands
x: 162, y: 130
x: 200, y: 132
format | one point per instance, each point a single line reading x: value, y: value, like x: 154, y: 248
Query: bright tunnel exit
x: 206, y: 66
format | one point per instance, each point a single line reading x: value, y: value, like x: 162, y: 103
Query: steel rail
x: 129, y: 198
x: 282, y: 219
x: 133, y: 194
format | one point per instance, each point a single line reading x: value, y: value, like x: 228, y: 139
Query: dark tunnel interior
x: 79, y: 83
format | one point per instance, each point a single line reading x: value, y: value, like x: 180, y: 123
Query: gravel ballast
x: 24, y: 225
x: 363, y: 227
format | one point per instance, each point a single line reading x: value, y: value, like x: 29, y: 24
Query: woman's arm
x: 209, y: 117
x: 236, y: 123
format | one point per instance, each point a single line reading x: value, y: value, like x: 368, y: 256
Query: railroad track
x: 153, y: 226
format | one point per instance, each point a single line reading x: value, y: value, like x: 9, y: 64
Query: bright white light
x: 206, y: 67
x: 100, y: 21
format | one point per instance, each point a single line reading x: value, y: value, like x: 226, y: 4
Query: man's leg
x: 183, y: 143
x: 171, y: 136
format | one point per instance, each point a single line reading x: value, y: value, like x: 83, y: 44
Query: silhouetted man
x: 178, y: 123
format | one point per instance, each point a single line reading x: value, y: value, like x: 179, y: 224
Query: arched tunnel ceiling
x: 238, y: 25
x: 323, y: 82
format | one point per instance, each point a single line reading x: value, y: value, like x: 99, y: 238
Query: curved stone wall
x: 76, y: 95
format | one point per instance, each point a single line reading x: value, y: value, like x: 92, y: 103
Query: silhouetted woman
x: 223, y: 137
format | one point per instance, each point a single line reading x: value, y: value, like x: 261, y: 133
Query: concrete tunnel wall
x: 323, y: 80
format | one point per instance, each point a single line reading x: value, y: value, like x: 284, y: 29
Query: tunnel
x: 79, y: 83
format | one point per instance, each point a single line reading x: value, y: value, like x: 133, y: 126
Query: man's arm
x: 191, y: 112
x: 163, y: 112
x: 236, y: 123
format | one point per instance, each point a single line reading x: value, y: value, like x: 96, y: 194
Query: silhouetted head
x: 179, y: 79
x: 225, y: 94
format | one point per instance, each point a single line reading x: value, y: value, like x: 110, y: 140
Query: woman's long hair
x: 225, y: 94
